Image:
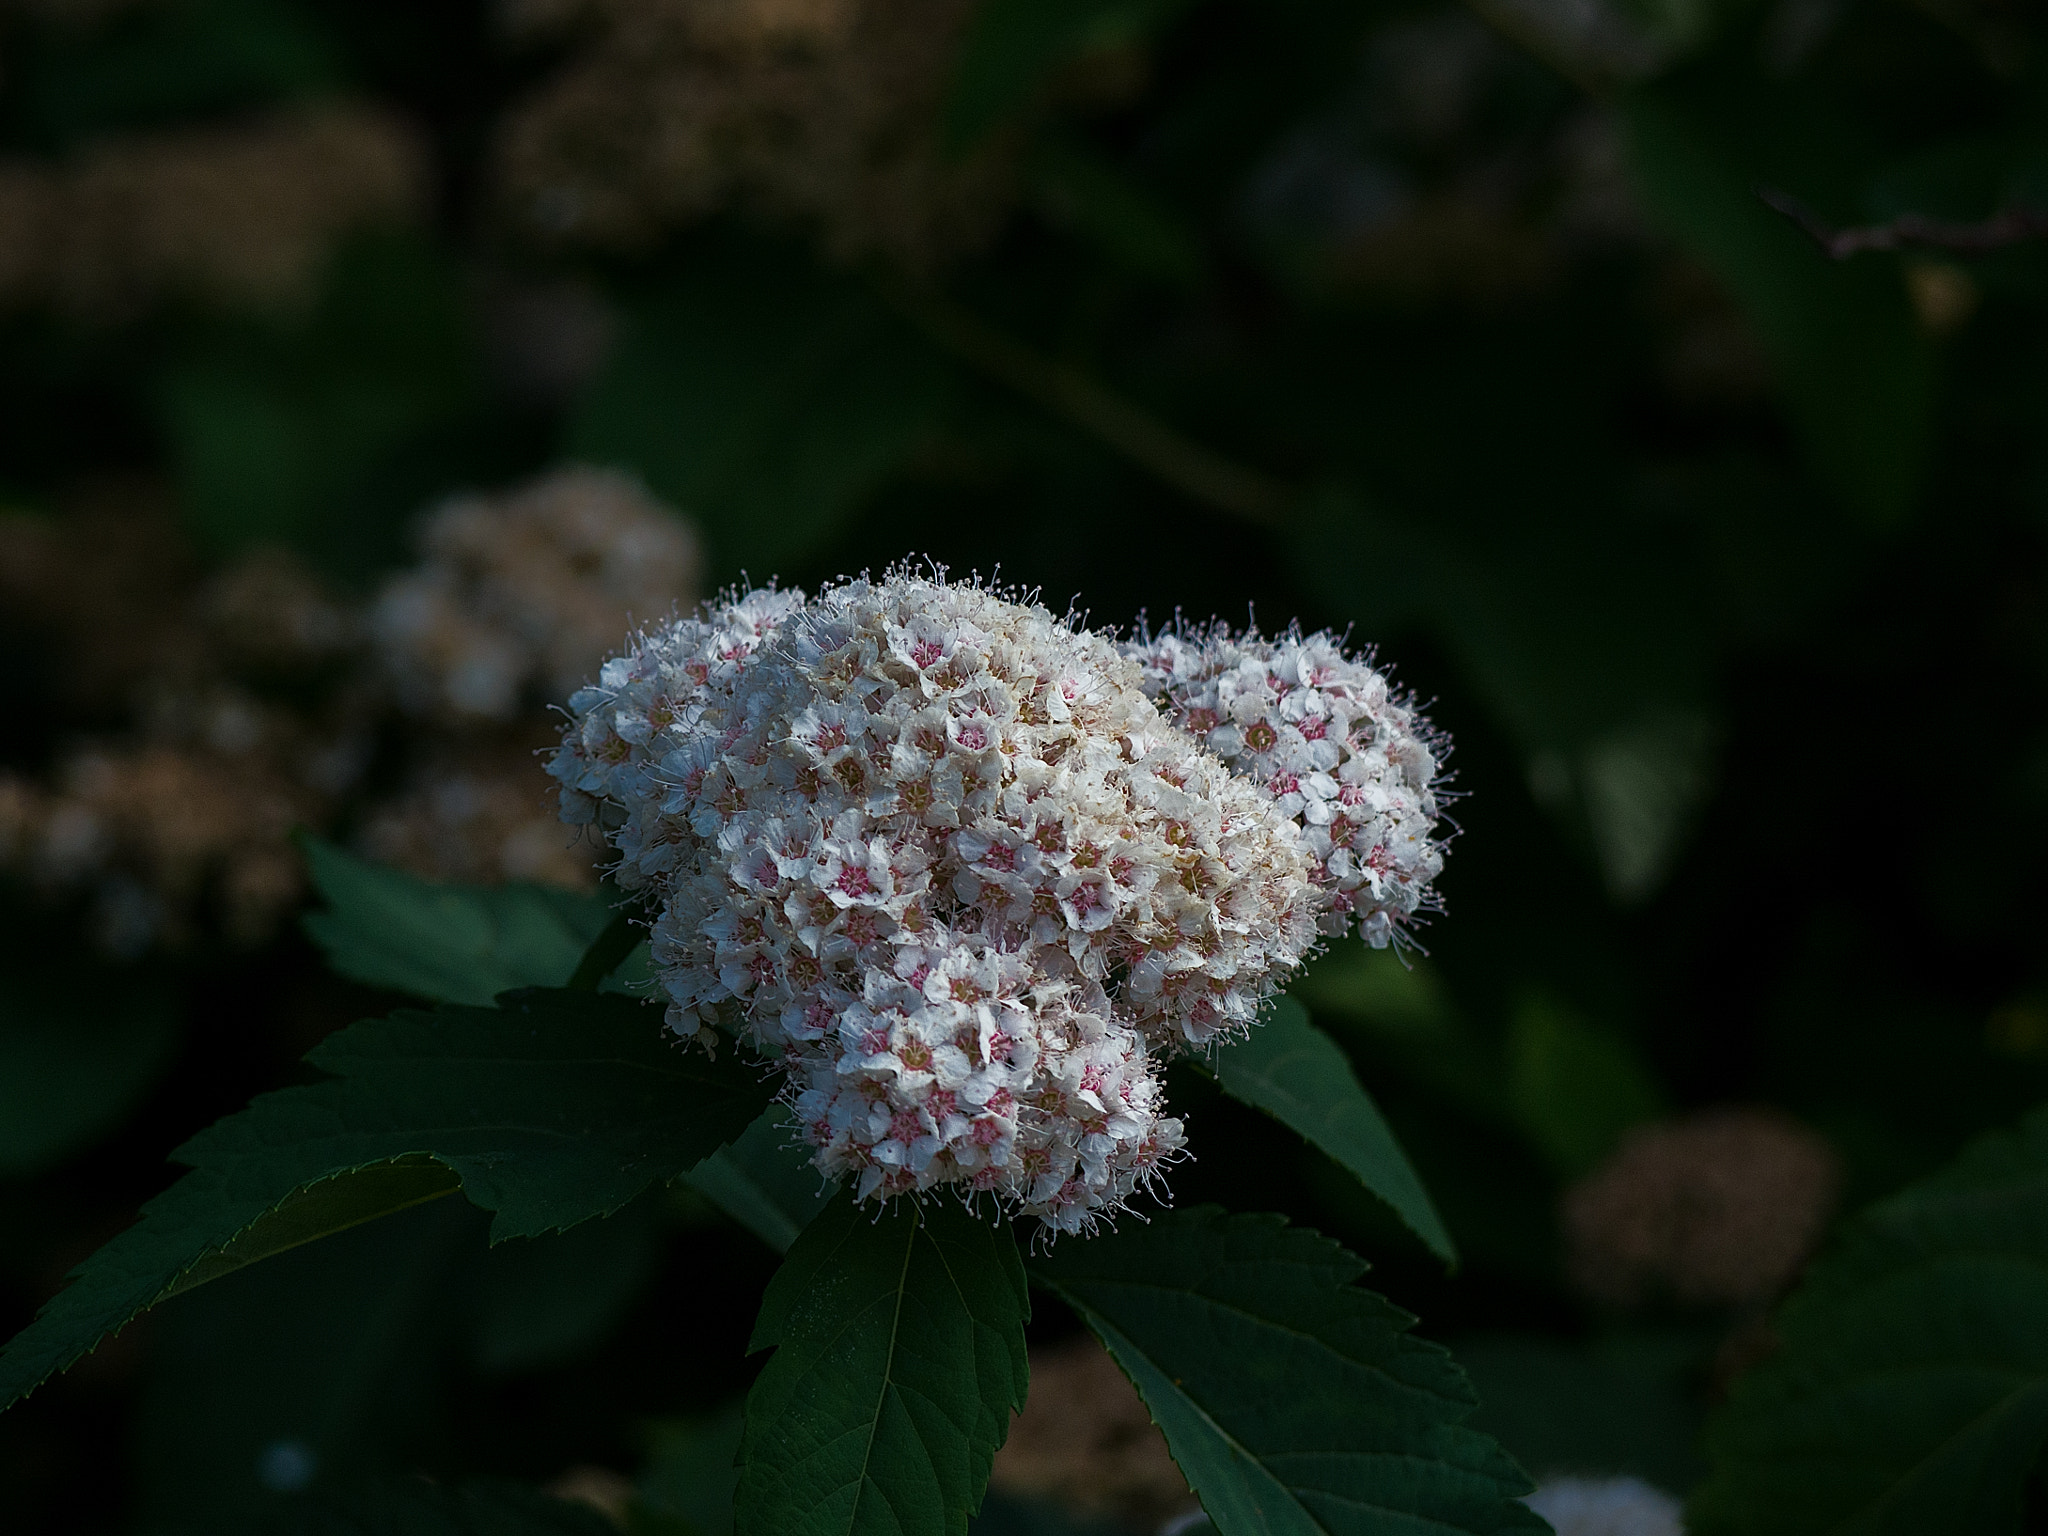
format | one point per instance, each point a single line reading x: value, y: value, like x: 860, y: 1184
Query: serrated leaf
x: 1910, y: 1391
x: 446, y: 943
x: 763, y: 1182
x: 1296, y: 1403
x: 899, y: 1358
x: 556, y: 1108
x: 1299, y: 1075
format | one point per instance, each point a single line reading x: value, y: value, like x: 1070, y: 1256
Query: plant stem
x: 1098, y: 410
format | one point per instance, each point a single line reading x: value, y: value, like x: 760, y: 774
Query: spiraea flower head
x: 1342, y: 754
x: 936, y: 851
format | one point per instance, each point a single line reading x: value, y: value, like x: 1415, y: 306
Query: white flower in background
x: 1607, y: 1506
x: 518, y: 597
x: 1352, y: 762
x: 940, y: 855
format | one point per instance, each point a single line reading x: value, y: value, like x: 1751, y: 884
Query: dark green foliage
x: 245, y: 1405
x: 555, y: 1109
x: 693, y: 1472
x: 327, y: 439
x: 765, y: 396
x: 764, y: 1181
x: 543, y: 1300
x: 1013, y: 45
x: 899, y: 1358
x: 1721, y: 561
x: 1297, y: 1074
x: 71, y: 1067
x: 418, y: 1508
x: 1623, y: 1406
x: 172, y: 62
x: 1909, y: 1392
x: 1575, y: 1090
x: 1295, y: 1402
x: 448, y: 944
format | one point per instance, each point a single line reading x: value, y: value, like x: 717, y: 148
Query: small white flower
x: 1355, y: 765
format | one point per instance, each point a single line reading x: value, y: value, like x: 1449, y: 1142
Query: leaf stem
x: 1121, y: 424
x: 2010, y: 227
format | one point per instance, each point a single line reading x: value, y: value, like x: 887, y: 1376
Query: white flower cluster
x: 1339, y: 751
x: 942, y: 856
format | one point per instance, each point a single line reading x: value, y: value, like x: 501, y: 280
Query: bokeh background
x: 366, y: 365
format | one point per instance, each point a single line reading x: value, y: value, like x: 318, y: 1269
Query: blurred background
x: 1660, y: 385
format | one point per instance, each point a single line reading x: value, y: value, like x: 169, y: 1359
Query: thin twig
x: 2011, y: 227
x: 1122, y: 424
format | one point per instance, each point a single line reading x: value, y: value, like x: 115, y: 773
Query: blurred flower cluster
x: 1718, y: 1209
x: 242, y: 215
x: 824, y: 113
x: 231, y: 710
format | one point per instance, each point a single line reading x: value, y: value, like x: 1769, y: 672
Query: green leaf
x: 1910, y: 1391
x: 763, y: 395
x: 1295, y: 1403
x: 693, y: 1471
x: 763, y: 1182
x: 446, y: 943
x: 556, y: 1108
x: 1575, y: 1089
x: 419, y: 1508
x: 72, y: 1065
x: 899, y: 1358
x: 1298, y: 1075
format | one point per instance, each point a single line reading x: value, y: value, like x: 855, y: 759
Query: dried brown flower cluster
x: 179, y: 822
x: 1086, y: 1443
x: 821, y: 112
x: 1719, y: 1209
x: 244, y: 215
x: 256, y: 703
x: 519, y: 597
x: 472, y: 812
